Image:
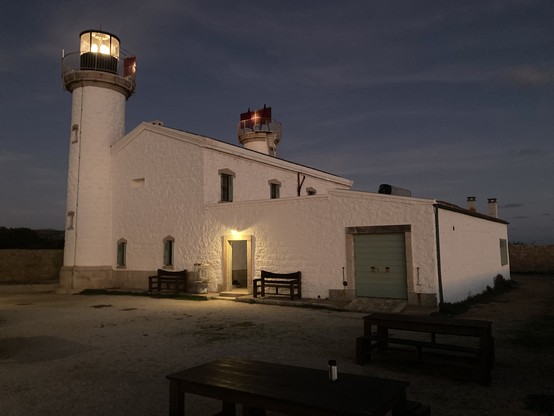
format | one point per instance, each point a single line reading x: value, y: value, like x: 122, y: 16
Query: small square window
x: 75, y: 133
x: 275, y: 190
x: 226, y: 188
x: 503, y: 252
x: 70, y: 219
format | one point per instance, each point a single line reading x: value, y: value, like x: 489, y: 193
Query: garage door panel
x: 380, y: 265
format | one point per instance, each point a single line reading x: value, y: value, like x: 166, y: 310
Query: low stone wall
x: 30, y: 266
x: 527, y: 258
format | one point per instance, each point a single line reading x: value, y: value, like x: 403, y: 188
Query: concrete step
x: 232, y: 295
x: 376, y: 305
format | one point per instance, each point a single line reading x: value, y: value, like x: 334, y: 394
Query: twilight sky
x: 448, y: 99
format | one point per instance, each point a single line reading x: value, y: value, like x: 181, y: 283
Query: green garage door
x: 380, y: 263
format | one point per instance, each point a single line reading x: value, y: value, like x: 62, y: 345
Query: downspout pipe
x: 438, y: 243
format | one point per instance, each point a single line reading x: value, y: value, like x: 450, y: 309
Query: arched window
x: 121, y: 253
x: 311, y: 191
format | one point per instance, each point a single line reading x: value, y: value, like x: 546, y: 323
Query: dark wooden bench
x: 175, y: 281
x: 482, y: 354
x: 290, y: 281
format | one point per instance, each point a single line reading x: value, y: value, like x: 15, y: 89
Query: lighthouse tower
x: 100, y: 80
x: 258, y: 131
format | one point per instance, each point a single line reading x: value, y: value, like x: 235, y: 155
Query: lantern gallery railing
x: 124, y: 66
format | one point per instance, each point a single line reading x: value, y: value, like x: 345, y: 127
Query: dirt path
x: 100, y: 355
x: 523, y: 377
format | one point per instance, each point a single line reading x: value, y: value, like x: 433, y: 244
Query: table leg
x: 176, y: 399
x: 229, y: 409
x: 252, y: 411
x: 400, y: 408
x: 382, y: 334
x: 486, y: 353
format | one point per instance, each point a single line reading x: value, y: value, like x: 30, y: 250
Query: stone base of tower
x: 75, y: 279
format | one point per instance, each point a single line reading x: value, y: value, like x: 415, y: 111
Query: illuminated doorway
x: 237, y: 252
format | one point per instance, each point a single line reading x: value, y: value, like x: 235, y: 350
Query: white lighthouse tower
x: 100, y: 80
x: 259, y: 132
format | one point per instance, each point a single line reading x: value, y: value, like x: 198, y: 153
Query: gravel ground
x: 109, y: 355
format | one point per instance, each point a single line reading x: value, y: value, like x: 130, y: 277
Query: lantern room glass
x: 99, y: 42
x: 99, y: 51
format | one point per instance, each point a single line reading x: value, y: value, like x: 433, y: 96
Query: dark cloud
x: 529, y: 152
x: 531, y: 76
x: 512, y: 205
x: 426, y: 95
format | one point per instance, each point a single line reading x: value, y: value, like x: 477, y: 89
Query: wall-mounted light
x: 235, y: 231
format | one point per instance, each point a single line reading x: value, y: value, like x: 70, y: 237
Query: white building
x: 164, y: 198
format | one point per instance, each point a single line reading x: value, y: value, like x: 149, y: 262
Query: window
x: 226, y: 185
x: 274, y: 189
x: 70, y: 218
x: 121, y: 253
x: 311, y: 191
x: 169, y: 243
x: 503, y: 252
x: 75, y: 133
x: 137, y: 183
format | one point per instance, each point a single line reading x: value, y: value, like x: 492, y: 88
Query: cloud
x: 529, y: 152
x: 512, y: 205
x: 8, y: 156
x: 530, y: 76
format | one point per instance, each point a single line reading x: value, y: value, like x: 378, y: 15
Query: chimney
x: 492, y: 209
x: 471, y: 203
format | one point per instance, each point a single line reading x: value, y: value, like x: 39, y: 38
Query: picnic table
x: 377, y: 335
x: 260, y: 386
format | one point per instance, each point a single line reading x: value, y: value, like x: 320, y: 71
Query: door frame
x: 228, y: 261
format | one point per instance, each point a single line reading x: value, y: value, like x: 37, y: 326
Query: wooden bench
x: 482, y: 354
x: 168, y: 280
x: 290, y: 281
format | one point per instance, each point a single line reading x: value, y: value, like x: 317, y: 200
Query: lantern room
x: 99, y: 51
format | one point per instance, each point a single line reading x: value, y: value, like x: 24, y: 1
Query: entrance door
x: 237, y: 262
x: 239, y: 268
x: 380, y: 265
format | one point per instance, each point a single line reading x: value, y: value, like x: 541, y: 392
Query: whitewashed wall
x: 159, y: 188
x: 168, y: 202
x: 161, y: 178
x: 308, y: 234
x: 253, y: 171
x: 99, y: 116
x: 470, y: 254
x: 355, y: 209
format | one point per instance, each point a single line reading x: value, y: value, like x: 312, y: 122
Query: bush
x: 501, y: 285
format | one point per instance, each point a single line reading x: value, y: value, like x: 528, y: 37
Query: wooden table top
x: 291, y: 389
